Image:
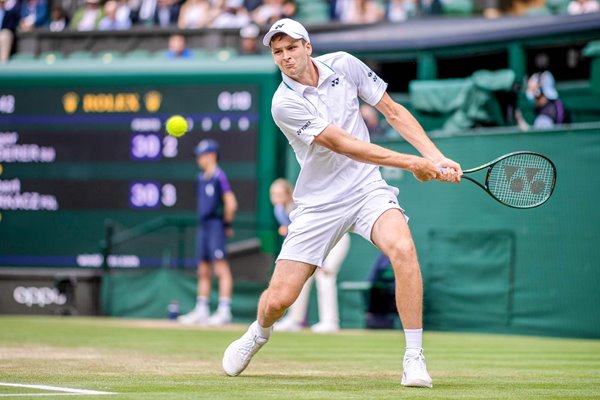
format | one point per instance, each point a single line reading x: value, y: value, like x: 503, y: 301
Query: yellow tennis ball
x: 177, y: 126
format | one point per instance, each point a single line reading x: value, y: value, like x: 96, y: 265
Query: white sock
x: 202, y: 303
x: 224, y: 304
x: 414, y: 339
x: 263, y: 332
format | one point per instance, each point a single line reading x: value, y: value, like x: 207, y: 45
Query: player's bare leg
x: 286, y: 283
x: 285, y: 286
x: 392, y: 235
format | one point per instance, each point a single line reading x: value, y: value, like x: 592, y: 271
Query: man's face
x: 292, y: 56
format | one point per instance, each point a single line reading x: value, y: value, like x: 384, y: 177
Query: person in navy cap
x: 549, y: 109
x: 216, y: 209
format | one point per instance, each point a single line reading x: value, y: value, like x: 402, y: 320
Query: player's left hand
x: 450, y: 171
x: 229, y: 232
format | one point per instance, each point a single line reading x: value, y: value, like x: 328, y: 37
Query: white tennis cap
x: 293, y: 29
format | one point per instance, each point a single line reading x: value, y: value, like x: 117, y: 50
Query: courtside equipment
x: 522, y: 179
x: 176, y: 126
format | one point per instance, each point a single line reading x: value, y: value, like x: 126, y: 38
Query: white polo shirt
x: 303, y: 112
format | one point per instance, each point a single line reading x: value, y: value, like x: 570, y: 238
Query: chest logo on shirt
x: 209, y: 190
x: 303, y: 127
x: 335, y: 82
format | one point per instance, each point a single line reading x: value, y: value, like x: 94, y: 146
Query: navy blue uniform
x: 210, y: 235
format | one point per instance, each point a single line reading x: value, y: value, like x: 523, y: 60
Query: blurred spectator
x: 400, y: 10
x: 167, y: 13
x: 577, y: 7
x: 58, y: 19
x: 359, y: 11
x: 371, y: 117
x: 430, y: 7
x: 274, y: 10
x: 143, y: 12
x: 178, y: 47
x: 249, y: 39
x: 34, y: 13
x: 194, y: 14
x: 88, y: 17
x: 549, y: 109
x: 110, y: 21
x: 124, y: 10
x: 233, y: 15
x: 9, y: 20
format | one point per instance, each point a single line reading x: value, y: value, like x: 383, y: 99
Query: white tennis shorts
x: 314, y: 231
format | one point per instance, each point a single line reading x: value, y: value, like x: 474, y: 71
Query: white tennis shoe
x: 239, y: 353
x: 415, y: 372
x: 325, y: 327
x: 220, y: 317
x: 196, y: 316
x: 287, y: 324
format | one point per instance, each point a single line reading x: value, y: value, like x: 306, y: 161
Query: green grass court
x: 140, y: 359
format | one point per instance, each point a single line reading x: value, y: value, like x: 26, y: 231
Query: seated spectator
x: 359, y: 11
x: 58, y: 19
x: 430, y: 7
x: 143, y: 12
x: 124, y: 10
x: 549, y: 110
x: 34, y: 13
x: 272, y: 11
x: 194, y: 14
x: 249, y: 39
x: 8, y: 25
x: 178, y: 48
x: 371, y: 117
x: 400, y: 10
x: 577, y: 7
x: 233, y: 15
x: 110, y: 21
x: 87, y: 17
x: 167, y: 13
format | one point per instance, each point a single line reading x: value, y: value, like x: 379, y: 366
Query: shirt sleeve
x: 224, y: 182
x: 371, y: 87
x: 296, y: 121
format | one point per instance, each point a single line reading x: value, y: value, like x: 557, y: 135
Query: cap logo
x: 279, y: 26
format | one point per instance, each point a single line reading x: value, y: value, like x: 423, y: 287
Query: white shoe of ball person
x: 415, y: 372
x: 197, y: 316
x: 239, y: 353
x: 325, y: 327
x: 287, y: 324
x: 220, y: 317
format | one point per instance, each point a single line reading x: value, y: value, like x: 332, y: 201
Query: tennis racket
x: 522, y: 179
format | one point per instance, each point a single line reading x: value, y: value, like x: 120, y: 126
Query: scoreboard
x: 76, y: 151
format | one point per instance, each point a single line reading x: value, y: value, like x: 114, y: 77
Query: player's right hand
x: 425, y: 170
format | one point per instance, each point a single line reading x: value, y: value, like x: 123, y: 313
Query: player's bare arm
x: 409, y: 128
x: 340, y: 141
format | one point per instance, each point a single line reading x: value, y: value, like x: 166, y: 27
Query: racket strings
x: 522, y: 180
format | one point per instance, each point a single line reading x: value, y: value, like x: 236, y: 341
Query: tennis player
x: 339, y: 188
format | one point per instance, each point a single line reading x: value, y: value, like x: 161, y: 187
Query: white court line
x: 63, y: 390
